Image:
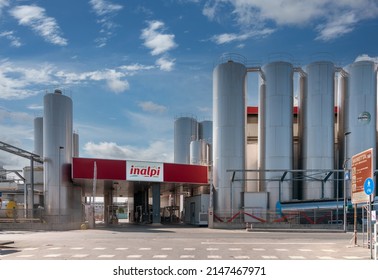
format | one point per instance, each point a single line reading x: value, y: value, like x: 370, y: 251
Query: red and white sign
x: 144, y: 171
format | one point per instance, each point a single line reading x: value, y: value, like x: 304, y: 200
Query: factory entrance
x: 118, y: 191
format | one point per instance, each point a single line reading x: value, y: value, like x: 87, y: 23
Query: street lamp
x: 344, y: 187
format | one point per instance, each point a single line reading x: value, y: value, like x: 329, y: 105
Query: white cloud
x: 35, y: 18
x: 103, y: 7
x: 156, y: 151
x: 232, y: 37
x: 15, y: 41
x: 365, y: 57
x: 165, y: 64
x: 149, y: 106
x: 18, y: 82
x: 155, y: 40
x: 105, y: 10
x: 136, y: 67
x: 3, y: 4
x: 331, y: 19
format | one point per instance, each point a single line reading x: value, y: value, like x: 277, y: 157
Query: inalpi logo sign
x: 144, y: 171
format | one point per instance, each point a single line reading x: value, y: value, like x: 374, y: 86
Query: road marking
x: 160, y: 256
x: 234, y: 249
x: 144, y: 249
x: 241, y: 257
x: 329, y: 250
x: 214, y: 257
x: 77, y: 248
x: 52, y: 255
x: 269, y: 257
x: 187, y: 257
x: 134, y: 256
x: 99, y: 248
x: 55, y: 248
x: 189, y: 249
x: 105, y: 256
x: 25, y: 256
x: 325, y: 258
x: 282, y: 250
x: 121, y: 249
x: 80, y: 255
x: 305, y: 250
x: 352, y: 257
x: 212, y: 249
x: 258, y: 249
x: 30, y: 249
x: 297, y: 257
x: 166, y: 249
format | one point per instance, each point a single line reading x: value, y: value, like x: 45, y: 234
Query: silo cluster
x: 336, y: 105
x: 192, y: 141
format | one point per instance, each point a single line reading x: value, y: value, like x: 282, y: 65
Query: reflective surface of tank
x: 185, y: 131
x: 276, y: 130
x: 57, y: 147
x: 317, y: 117
x: 199, y: 152
x: 75, y: 145
x: 229, y: 141
x: 360, y: 109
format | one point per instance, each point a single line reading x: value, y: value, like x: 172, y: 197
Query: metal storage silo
x: 276, y: 130
x: 206, y: 131
x: 199, y: 152
x: 317, y: 116
x: 360, y: 109
x: 229, y: 141
x: 38, y: 136
x: 185, y: 131
x: 57, y: 147
x: 75, y: 145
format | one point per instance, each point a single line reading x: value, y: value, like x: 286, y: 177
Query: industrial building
x: 245, y: 165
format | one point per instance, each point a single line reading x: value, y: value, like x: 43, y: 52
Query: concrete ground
x: 179, y: 242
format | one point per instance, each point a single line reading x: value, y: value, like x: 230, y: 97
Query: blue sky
x: 132, y: 66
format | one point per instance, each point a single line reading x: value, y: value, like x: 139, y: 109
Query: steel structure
x: 229, y: 136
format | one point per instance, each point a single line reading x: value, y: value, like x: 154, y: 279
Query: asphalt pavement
x: 179, y: 242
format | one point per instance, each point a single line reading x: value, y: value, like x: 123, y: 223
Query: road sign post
x: 362, y: 174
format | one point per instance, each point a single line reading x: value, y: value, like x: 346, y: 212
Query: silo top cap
x: 58, y: 91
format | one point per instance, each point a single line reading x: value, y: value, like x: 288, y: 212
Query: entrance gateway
x: 148, y: 186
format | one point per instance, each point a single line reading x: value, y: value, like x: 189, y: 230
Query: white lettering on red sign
x: 144, y: 171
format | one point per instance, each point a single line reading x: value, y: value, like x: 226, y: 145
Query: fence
x: 326, y: 218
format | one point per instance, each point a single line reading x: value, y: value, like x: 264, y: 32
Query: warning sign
x: 362, y: 169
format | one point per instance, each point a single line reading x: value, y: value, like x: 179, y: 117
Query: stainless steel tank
x: 185, y: 131
x: 57, y: 148
x: 206, y: 133
x: 317, y: 117
x: 75, y: 145
x: 199, y: 152
x: 276, y: 130
x: 229, y: 141
x: 360, y: 110
x: 38, y: 136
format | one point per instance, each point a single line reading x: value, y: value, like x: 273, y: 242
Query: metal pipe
x: 344, y: 167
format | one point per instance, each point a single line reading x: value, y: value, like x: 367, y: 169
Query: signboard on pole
x: 362, y: 169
